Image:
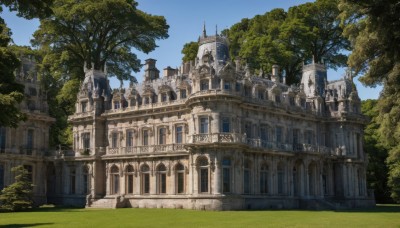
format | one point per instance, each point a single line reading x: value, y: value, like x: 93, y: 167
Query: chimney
x: 150, y: 70
x: 168, y: 72
x: 275, y: 73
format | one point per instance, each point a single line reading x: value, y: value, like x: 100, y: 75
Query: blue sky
x: 186, y: 19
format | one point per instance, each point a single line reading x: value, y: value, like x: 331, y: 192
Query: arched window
x: 246, y: 177
x: 226, y: 175
x: 312, y: 169
x: 180, y: 178
x: 145, y: 180
x: 114, y: 180
x: 129, y: 171
x: 85, y: 180
x: 202, y: 165
x: 72, y: 181
x: 161, y: 179
x: 280, y: 179
x: 204, y: 84
x: 264, y: 173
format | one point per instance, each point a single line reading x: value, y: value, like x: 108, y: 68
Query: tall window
x: 161, y: 179
x: 3, y: 139
x: 180, y: 178
x: 1, y: 176
x: 114, y: 174
x: 246, y: 177
x: 129, y: 138
x: 227, y: 85
x: 202, y: 164
x: 226, y: 175
x: 308, y: 135
x: 179, y: 134
x: 204, y: 85
x: 117, y: 105
x: 226, y: 124
x: 204, y: 125
x: 260, y: 94
x: 278, y: 98
x: 86, y: 141
x: 72, y: 181
x: 264, y: 179
x: 84, y: 106
x: 278, y: 134
x: 29, y: 143
x: 247, y: 91
x: 264, y: 135
x: 114, y: 140
x: 247, y: 130
x: 183, y: 93
x: 145, y: 137
x: 85, y: 180
x: 163, y: 97
x: 129, y: 179
x: 145, y: 179
x: 162, y: 136
x: 280, y: 172
x: 237, y: 87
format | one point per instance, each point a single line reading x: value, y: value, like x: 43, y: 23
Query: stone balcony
x: 147, y: 150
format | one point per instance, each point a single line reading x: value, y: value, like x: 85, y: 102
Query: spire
x: 216, y: 30
x: 204, y: 30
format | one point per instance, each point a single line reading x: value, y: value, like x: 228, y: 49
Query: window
x: 129, y: 138
x: 32, y: 91
x: 247, y: 91
x: 163, y: 97
x: 3, y: 138
x: 114, y: 180
x: 145, y: 179
x: 86, y: 141
x: 72, y: 181
x: 226, y: 175
x: 183, y: 94
x: 83, y: 106
x: 1, y: 176
x: 146, y: 100
x: 117, y: 105
x: 85, y: 180
x: 227, y: 85
x: 29, y: 142
x: 226, y: 125
x: 179, y: 134
x: 264, y: 135
x: 246, y: 177
x: 264, y: 179
x: 296, y: 141
x: 278, y: 98
x: 161, y: 179
x: 308, y: 137
x: 129, y: 179
x: 180, y: 178
x: 237, y: 87
x: 247, y: 130
x: 114, y: 140
x: 162, y: 134
x: 204, y: 85
x: 203, y: 177
x: 260, y: 94
x: 291, y: 100
x: 204, y: 125
x: 278, y: 134
x: 302, y: 102
x: 145, y: 137
x: 280, y: 178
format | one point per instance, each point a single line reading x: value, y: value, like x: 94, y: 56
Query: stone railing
x: 217, y: 138
x: 150, y: 149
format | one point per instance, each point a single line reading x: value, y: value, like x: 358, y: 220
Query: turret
x: 314, y: 79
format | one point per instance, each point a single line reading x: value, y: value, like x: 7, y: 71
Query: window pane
x: 179, y: 134
x: 130, y: 184
x: 146, y: 183
x: 180, y: 182
x: 203, y: 180
x: 226, y: 125
x: 246, y: 181
x: 204, y: 125
x: 145, y: 137
x: 226, y: 180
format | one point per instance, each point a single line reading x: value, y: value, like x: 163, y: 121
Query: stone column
x: 217, y: 177
x: 214, y: 123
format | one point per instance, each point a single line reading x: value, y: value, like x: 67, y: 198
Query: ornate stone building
x: 27, y: 145
x: 211, y: 135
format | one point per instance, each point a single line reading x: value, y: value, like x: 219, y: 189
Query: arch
x: 202, y: 161
x: 203, y: 174
x: 161, y: 179
x: 129, y: 175
x: 114, y: 180
x: 145, y: 179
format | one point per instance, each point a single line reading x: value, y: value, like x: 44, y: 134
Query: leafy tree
x: 19, y: 195
x: 96, y: 33
x: 373, y: 29
x: 11, y: 92
x: 189, y: 51
x: 29, y: 9
x: 377, y: 167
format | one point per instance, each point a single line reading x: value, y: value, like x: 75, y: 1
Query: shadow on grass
x: 24, y: 225
x: 385, y: 208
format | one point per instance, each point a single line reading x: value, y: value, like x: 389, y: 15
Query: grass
x: 381, y: 216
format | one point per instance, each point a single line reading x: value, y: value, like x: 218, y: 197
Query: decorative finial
x: 216, y: 30
x: 204, y: 30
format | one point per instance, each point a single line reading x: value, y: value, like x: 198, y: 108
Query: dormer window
x: 291, y: 101
x: 146, y: 100
x: 247, y: 90
x: 183, y: 94
x: 117, y: 105
x: 163, y: 97
x: 227, y: 86
x: 204, y: 85
x: 83, y: 106
x: 278, y: 98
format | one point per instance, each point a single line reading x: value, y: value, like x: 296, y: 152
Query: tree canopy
x: 304, y: 33
x: 189, y: 51
x: 373, y: 27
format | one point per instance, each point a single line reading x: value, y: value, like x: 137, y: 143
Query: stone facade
x: 27, y: 144
x: 210, y: 136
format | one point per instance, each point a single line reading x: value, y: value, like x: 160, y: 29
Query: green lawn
x: 381, y: 216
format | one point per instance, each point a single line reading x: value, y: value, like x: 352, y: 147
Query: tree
x: 19, y: 195
x: 377, y: 171
x: 11, y: 92
x: 101, y: 34
x: 307, y: 32
x: 373, y: 28
x: 29, y: 9
x: 189, y: 51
